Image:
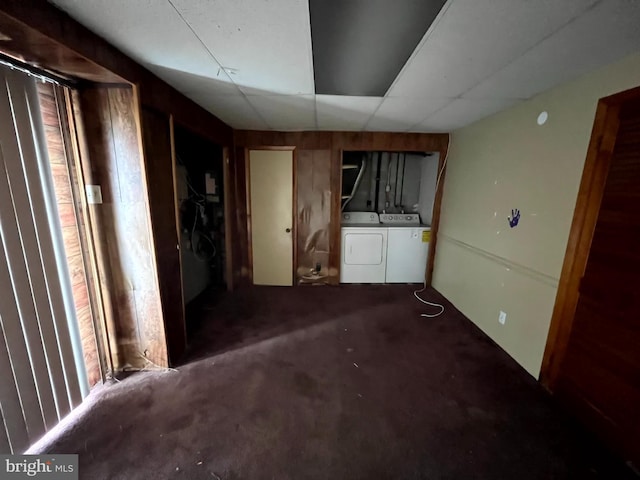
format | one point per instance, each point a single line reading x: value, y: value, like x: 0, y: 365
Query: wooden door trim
x: 335, y: 217
x: 435, y: 214
x: 247, y: 188
x: 176, y: 206
x: 70, y: 131
x: 592, y: 185
x: 277, y: 148
x: 294, y: 215
x: 92, y: 226
x: 228, y: 244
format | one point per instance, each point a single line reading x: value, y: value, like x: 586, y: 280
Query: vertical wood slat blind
x: 41, y: 374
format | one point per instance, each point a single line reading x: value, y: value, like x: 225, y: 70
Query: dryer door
x: 364, y: 248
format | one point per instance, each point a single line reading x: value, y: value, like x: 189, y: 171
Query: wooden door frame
x: 294, y: 215
x: 176, y: 207
x: 435, y: 214
x: 227, y: 195
x: 585, y: 217
x: 443, y: 152
x: 75, y: 148
x: 294, y: 205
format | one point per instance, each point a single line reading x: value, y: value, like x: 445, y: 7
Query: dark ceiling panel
x: 360, y: 46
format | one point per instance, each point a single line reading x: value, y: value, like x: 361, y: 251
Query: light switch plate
x: 94, y: 194
x: 502, y: 318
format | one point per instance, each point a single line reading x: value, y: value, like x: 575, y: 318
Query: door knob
x: 288, y: 230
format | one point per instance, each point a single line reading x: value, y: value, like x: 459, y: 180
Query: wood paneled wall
x: 45, y: 36
x: 126, y: 254
x: 70, y: 228
x: 333, y: 144
x: 240, y: 252
x: 159, y: 163
x: 313, y: 215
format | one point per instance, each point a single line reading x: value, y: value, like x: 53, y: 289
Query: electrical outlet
x: 502, y: 318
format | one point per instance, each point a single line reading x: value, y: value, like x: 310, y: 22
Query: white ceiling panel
x: 472, y: 39
x: 262, y: 44
x: 250, y: 62
x: 399, y: 114
x: 286, y: 112
x: 336, y: 112
x: 607, y: 32
x: 189, y: 83
x: 234, y: 110
x: 149, y: 31
x: 461, y: 112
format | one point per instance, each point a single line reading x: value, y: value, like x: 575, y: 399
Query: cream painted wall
x: 507, y: 161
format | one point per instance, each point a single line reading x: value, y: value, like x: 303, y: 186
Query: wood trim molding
x: 68, y: 131
x: 435, y: 220
x: 294, y: 215
x: 93, y: 228
x: 176, y: 204
x: 228, y: 217
x: 335, y: 233
x: 596, y: 168
x: 312, y: 140
x: 247, y: 186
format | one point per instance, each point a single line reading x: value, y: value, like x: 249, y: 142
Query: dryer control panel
x: 360, y: 218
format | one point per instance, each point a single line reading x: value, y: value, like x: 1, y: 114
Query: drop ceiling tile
x: 234, y: 110
x: 286, y: 112
x: 471, y: 40
x: 602, y: 35
x: 149, y: 31
x: 461, y: 112
x: 188, y: 83
x: 501, y: 50
x: 335, y: 112
x: 360, y: 46
x: 399, y: 114
x: 262, y: 44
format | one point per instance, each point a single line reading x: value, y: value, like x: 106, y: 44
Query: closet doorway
x: 200, y: 195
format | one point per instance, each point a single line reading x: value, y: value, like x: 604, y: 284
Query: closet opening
x: 200, y: 197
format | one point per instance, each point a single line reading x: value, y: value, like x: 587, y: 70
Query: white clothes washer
x: 407, y: 248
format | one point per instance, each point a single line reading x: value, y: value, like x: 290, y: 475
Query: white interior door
x: 271, y: 191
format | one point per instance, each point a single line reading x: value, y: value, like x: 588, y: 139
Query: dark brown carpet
x: 332, y: 383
